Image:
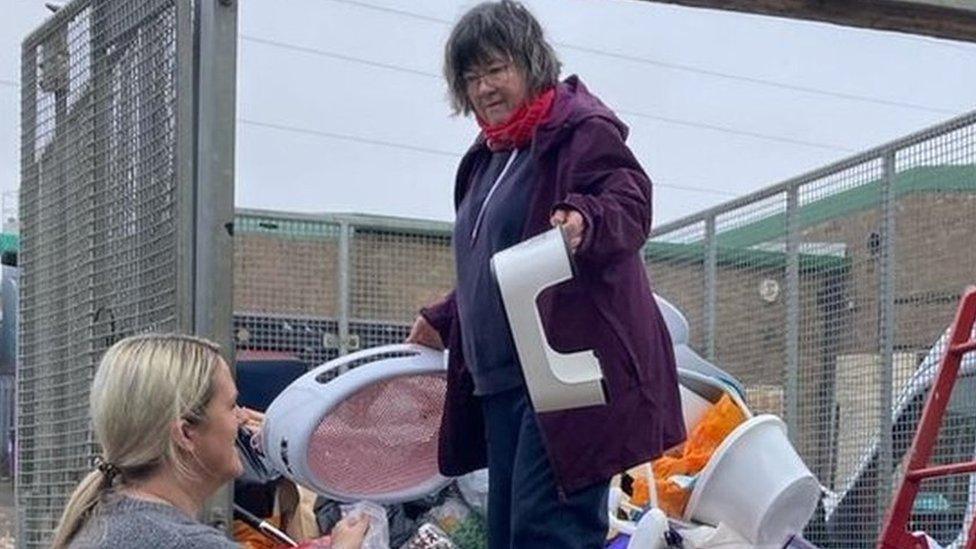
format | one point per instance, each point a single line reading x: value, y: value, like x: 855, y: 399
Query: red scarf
x: 517, y: 131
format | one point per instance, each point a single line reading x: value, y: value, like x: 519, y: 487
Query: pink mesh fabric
x: 382, y: 439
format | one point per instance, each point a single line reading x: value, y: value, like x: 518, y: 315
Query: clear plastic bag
x: 378, y: 535
x: 450, y: 515
x: 474, y: 489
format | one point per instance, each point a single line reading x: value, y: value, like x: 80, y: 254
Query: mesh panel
x: 675, y: 264
x: 394, y: 273
x: 382, y: 439
x: 100, y: 215
x: 286, y: 286
x: 321, y: 286
x: 934, y: 223
x: 824, y: 290
x: 750, y: 277
x: 816, y: 295
x: 839, y: 366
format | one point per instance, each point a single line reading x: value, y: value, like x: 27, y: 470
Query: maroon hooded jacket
x: 582, y: 163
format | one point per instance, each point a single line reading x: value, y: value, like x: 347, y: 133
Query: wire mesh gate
x: 110, y: 228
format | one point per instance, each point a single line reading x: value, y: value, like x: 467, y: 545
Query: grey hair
x: 491, y: 30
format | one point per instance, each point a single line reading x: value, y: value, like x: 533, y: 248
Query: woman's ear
x: 183, y: 434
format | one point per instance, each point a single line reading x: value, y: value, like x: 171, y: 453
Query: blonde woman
x: 164, y: 410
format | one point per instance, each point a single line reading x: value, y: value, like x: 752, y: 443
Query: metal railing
x: 823, y: 294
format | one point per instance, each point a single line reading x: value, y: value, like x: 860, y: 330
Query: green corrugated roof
x: 863, y: 197
x: 9, y: 242
x: 736, y: 246
x: 755, y: 259
x: 327, y: 225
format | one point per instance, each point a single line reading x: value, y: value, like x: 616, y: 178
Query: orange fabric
x: 717, y: 423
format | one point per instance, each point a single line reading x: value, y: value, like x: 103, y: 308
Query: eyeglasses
x: 495, y: 75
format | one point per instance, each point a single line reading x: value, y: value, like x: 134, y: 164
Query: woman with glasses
x: 549, y: 153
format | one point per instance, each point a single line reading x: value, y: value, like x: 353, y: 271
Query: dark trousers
x: 524, y: 506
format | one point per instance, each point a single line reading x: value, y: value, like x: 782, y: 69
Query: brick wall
x: 396, y: 274
x: 286, y: 274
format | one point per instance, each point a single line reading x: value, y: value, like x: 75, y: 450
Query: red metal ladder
x: 895, y: 534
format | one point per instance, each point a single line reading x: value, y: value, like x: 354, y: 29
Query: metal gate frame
x: 78, y: 47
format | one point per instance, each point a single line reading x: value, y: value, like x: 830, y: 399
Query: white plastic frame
x: 296, y: 413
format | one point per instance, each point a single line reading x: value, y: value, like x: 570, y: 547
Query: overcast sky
x: 341, y: 107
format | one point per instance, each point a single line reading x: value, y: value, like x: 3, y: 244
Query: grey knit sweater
x: 123, y: 522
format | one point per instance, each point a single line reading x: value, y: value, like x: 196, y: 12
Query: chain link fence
x: 105, y: 207
x: 822, y: 295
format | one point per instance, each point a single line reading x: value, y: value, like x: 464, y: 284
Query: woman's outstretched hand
x: 422, y: 333
x: 573, y: 226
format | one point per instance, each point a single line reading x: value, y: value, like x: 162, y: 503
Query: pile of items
x: 364, y: 442
x: 735, y: 482
x: 334, y: 434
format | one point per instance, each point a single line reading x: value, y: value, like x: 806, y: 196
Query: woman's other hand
x: 252, y: 420
x: 349, y: 532
x: 422, y: 333
x: 572, y: 223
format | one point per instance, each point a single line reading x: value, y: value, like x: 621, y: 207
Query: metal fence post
x: 186, y: 163
x: 345, y: 238
x: 27, y: 214
x: 216, y: 79
x: 792, y: 311
x: 887, y: 332
x: 711, y: 292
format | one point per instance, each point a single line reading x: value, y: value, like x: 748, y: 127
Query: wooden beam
x: 951, y: 19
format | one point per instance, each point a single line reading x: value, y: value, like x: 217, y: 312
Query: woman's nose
x: 483, y: 87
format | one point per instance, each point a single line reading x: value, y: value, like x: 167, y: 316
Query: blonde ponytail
x: 84, y: 500
x: 142, y: 385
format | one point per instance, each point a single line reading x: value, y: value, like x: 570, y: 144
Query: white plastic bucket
x: 756, y: 484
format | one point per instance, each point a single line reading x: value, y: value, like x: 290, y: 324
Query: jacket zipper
x: 494, y: 186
